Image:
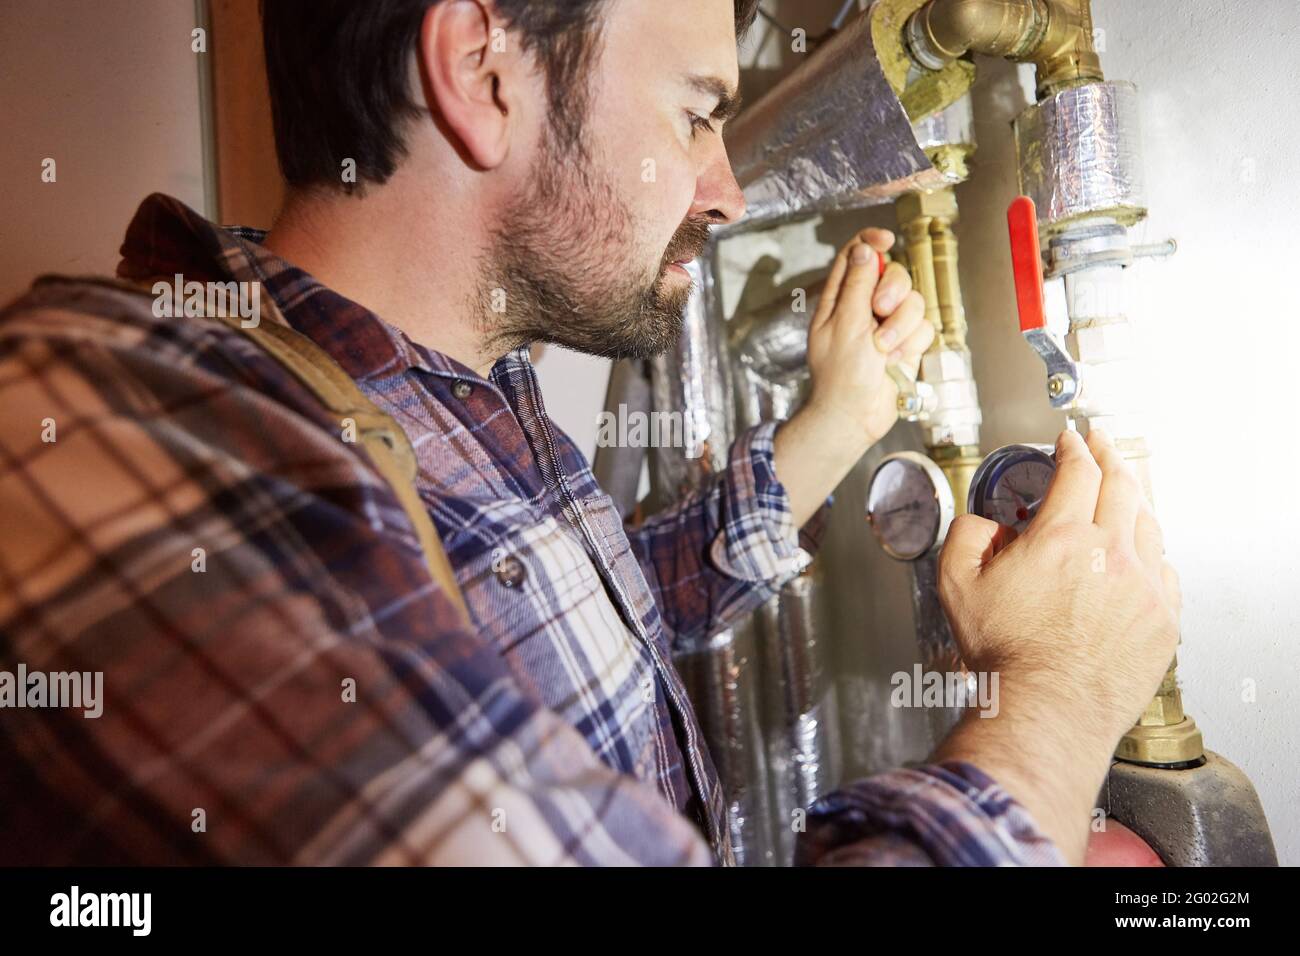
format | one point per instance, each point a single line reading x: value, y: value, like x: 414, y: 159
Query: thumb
x: 972, y: 542
x: 853, y: 305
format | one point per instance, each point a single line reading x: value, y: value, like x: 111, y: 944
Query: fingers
x: 897, y: 331
x: 892, y: 289
x: 879, y: 241
x: 1072, y: 496
x: 1148, y: 539
x: 882, y: 240
x: 852, y: 312
x: 971, y: 543
x: 1120, y: 497
x: 831, y: 291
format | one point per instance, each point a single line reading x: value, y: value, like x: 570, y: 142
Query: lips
x: 688, y: 243
x: 677, y: 258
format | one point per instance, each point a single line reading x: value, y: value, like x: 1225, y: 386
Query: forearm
x: 1041, y: 764
x: 815, y: 449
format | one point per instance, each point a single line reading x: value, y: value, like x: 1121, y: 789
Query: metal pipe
x: 694, y: 381
x: 943, y: 30
x: 952, y: 428
x: 719, y: 679
x: 831, y: 135
x: 796, y: 696
x: 1054, y: 35
x: 618, y: 468
x: 939, y: 651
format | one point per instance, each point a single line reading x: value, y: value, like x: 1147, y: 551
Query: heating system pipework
x: 881, y: 114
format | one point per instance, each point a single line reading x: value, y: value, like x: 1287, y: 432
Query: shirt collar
x: 166, y: 238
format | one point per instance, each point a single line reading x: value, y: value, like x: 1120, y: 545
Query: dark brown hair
x: 338, y: 72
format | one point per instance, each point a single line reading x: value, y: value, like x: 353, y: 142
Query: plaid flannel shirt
x: 280, y: 668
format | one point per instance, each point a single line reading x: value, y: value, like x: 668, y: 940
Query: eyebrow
x: 729, y: 100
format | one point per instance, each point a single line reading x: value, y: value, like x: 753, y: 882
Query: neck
x: 403, y: 250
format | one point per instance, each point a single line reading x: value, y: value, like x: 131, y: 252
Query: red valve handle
x: 1027, y: 263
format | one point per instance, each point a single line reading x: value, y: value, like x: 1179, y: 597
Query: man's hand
x: 853, y: 402
x: 1079, y: 617
x: 848, y: 349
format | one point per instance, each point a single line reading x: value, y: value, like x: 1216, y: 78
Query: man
x: 284, y: 679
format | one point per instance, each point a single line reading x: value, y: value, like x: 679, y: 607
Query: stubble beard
x: 559, y: 270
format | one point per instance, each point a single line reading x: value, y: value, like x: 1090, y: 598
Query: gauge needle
x: 1024, y: 511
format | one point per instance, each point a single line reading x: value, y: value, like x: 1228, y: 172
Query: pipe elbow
x: 944, y: 30
x: 1055, y: 35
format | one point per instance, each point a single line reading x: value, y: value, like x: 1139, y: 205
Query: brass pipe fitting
x: 959, y: 463
x: 1066, y: 56
x: 1164, y: 735
x: 1054, y: 35
x: 920, y: 262
x: 925, y: 220
x: 943, y: 30
x: 952, y: 311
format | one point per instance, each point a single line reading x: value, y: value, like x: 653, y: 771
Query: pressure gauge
x: 1010, y: 484
x: 909, y: 505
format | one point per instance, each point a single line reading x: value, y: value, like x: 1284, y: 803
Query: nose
x: 718, y: 196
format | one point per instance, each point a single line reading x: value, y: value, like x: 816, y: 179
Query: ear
x: 461, y: 55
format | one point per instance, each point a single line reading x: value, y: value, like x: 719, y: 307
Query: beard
x: 560, y: 269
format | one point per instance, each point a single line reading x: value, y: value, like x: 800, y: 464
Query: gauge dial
x: 909, y: 505
x: 1010, y: 484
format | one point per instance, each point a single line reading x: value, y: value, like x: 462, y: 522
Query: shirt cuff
x: 953, y: 812
x: 757, y: 540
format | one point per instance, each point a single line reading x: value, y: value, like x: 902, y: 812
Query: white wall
x: 109, y: 89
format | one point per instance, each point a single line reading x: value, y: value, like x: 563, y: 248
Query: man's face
x: 590, y: 256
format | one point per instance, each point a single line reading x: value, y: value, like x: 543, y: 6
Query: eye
x: 699, y: 124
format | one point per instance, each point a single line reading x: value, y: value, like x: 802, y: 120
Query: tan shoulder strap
x: 385, y: 443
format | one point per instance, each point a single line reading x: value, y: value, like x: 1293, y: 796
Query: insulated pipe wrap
x: 830, y: 135
x: 1080, y: 154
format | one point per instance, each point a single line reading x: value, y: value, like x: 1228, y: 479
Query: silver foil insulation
x: 831, y: 135
x: 795, y: 694
x: 720, y: 681
x: 694, y: 381
x: 1080, y: 154
x: 954, y: 125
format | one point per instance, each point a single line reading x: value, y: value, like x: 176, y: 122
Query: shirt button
x: 510, y: 571
x: 462, y: 389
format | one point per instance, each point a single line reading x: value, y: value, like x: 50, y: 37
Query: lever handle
x: 1063, y: 385
x: 1027, y: 263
